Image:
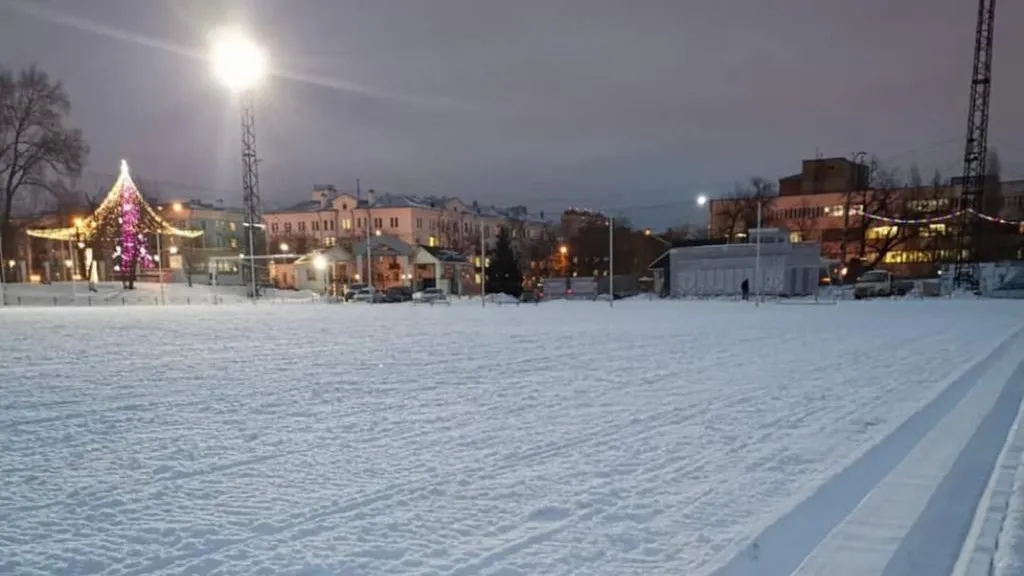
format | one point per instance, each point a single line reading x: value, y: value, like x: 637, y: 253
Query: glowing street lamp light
x: 241, y: 65
x: 283, y: 247
x: 237, y: 61
x: 320, y: 263
x: 702, y: 200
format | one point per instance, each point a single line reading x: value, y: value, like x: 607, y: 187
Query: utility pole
x: 483, y: 263
x: 611, y: 262
x: 860, y: 185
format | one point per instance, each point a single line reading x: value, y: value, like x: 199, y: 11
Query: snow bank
x: 995, y: 543
x: 145, y: 293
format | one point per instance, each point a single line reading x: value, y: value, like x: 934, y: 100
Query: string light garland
x: 937, y: 219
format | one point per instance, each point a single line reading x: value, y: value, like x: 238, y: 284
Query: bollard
x: 19, y: 300
x: 54, y: 300
x: 123, y: 301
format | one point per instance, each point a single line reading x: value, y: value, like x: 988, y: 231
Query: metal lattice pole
x: 251, y: 186
x: 966, y: 271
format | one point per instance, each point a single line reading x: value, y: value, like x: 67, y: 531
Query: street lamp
x: 241, y: 65
x: 283, y: 247
x: 648, y: 233
x: 702, y: 200
x: 320, y: 263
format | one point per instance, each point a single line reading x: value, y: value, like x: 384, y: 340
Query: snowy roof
x: 422, y: 202
x: 445, y: 255
x: 383, y: 243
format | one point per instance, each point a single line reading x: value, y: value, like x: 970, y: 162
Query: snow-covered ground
x: 566, y: 438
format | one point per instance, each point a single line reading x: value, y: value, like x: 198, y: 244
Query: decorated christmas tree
x: 125, y: 220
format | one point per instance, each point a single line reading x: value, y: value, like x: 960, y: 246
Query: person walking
x: 745, y: 289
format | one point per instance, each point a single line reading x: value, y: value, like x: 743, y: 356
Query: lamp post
x: 611, y: 262
x: 160, y: 267
x: 241, y: 65
x: 757, y: 259
x: 858, y: 161
x: 320, y: 263
x: 3, y: 274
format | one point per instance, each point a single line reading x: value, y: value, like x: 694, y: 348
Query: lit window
x: 432, y: 241
x: 346, y: 224
x: 231, y: 226
x: 795, y: 237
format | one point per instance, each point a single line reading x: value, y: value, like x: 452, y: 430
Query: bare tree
x: 37, y: 149
x: 914, y: 177
x: 938, y: 241
x: 879, y: 238
x: 737, y: 212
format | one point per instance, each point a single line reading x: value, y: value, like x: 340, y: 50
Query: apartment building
x: 812, y: 205
x: 330, y: 217
x: 222, y: 240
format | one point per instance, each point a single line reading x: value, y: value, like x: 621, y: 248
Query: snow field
x: 651, y: 438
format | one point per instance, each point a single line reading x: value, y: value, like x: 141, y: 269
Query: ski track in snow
x: 565, y: 438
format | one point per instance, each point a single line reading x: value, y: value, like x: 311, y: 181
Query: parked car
x: 368, y: 294
x: 398, y: 294
x: 881, y: 283
x: 351, y: 290
x: 430, y: 296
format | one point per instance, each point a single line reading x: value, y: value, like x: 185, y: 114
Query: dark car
x: 398, y: 294
x: 529, y: 297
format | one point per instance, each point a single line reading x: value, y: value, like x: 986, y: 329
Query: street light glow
x: 319, y: 262
x: 702, y: 200
x: 237, y: 61
x: 283, y: 247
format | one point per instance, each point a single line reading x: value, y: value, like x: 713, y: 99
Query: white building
x: 785, y: 269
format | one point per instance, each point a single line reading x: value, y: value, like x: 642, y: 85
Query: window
x: 315, y: 226
x: 378, y: 223
x: 287, y: 227
x: 273, y: 227
x: 231, y: 226
x: 432, y: 241
x: 882, y: 232
x: 302, y: 226
x: 419, y: 223
x: 346, y: 224
x: 795, y: 237
x: 393, y: 222
x: 233, y: 242
x: 359, y: 223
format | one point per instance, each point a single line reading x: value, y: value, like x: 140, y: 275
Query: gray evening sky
x: 610, y: 104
